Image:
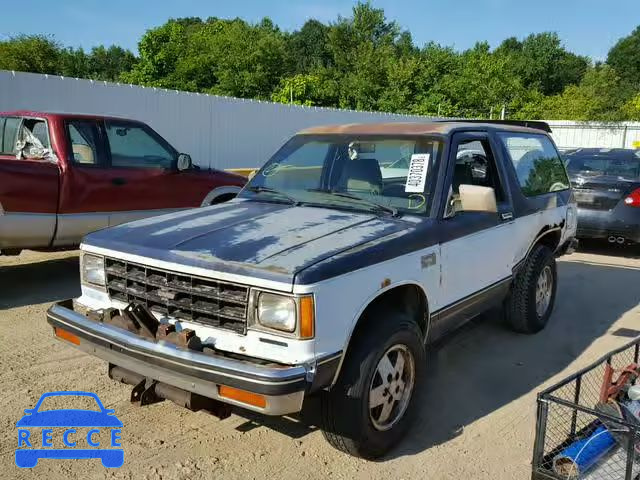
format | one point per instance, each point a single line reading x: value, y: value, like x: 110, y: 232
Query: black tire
x: 520, y: 306
x: 345, y: 416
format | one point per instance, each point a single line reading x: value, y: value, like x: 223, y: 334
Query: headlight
x: 277, y: 312
x: 93, y: 269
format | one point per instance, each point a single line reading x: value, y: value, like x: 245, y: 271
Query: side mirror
x: 184, y: 162
x: 478, y: 199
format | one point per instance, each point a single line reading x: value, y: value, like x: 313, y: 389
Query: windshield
x: 374, y: 173
x: 604, y: 165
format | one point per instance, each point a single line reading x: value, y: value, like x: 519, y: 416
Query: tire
x: 347, y: 422
x: 524, y: 311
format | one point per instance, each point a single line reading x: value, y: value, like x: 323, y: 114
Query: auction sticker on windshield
x: 417, y: 175
x: 92, y: 431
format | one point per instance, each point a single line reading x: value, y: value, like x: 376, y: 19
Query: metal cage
x: 571, y: 416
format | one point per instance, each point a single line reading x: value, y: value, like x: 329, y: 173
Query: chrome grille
x: 210, y: 302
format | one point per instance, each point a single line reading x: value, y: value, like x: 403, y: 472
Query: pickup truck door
x: 106, y: 184
x: 28, y: 187
x: 144, y: 166
x: 475, y: 249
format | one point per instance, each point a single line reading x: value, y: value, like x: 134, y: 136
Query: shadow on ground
x: 39, y: 282
x: 602, y: 247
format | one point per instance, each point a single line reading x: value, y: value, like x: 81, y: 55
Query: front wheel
x: 370, y: 408
x: 533, y: 293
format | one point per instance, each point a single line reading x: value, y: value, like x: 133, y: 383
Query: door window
x: 133, y: 145
x: 538, y: 165
x: 474, y: 165
x: 8, y: 132
x: 84, y: 137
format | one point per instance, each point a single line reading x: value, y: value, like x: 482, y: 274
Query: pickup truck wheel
x: 371, y: 406
x: 533, y: 292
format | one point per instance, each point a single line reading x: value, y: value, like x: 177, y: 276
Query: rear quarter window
x: 536, y: 161
x: 8, y: 131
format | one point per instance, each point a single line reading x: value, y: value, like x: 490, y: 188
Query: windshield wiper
x: 390, y: 210
x: 261, y: 189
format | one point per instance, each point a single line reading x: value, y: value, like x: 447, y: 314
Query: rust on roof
x: 407, y: 128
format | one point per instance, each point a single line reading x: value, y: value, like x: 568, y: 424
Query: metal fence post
x: 624, y: 136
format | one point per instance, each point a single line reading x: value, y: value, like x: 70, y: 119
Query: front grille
x: 206, y: 301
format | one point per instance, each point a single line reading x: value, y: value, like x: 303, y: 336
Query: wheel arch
x: 416, y: 302
x: 550, y: 236
x: 220, y: 194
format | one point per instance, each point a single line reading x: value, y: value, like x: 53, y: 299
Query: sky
x: 587, y: 27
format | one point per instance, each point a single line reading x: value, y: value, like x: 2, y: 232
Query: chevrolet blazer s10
x: 349, y: 252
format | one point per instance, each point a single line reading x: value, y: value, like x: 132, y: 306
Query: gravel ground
x: 477, y: 421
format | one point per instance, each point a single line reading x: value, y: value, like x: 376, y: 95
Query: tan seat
x: 82, y: 153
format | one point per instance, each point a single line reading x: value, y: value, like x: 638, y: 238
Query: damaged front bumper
x: 283, y: 387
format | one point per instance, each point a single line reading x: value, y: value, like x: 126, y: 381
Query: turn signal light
x: 242, y: 396
x: 633, y: 199
x: 307, y: 317
x: 64, y: 335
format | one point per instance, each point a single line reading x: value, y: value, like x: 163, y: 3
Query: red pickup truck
x: 65, y: 175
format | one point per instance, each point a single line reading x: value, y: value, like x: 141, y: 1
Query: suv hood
x: 266, y: 240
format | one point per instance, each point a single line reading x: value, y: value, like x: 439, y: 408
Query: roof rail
x: 537, y: 124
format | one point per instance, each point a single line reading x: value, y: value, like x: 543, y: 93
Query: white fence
x: 225, y: 132
x: 569, y: 134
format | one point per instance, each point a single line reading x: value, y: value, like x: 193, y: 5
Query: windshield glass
x: 604, y: 165
x: 376, y: 173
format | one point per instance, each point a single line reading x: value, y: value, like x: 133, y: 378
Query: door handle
x: 118, y: 181
x: 506, y: 216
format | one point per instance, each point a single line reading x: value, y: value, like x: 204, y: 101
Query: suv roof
x: 430, y: 127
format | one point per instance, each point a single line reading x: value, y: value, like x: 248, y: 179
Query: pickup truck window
x: 538, y: 165
x: 8, y: 131
x: 352, y: 172
x: 84, y: 138
x: 133, y: 146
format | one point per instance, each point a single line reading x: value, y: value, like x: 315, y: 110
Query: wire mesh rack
x: 588, y: 426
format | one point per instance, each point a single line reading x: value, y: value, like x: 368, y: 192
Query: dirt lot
x: 477, y: 421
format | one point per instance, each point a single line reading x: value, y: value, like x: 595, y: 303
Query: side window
x: 8, y: 134
x: 474, y: 165
x: 85, y: 141
x: 538, y: 165
x: 133, y: 145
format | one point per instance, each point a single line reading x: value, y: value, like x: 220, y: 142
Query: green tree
x: 624, y: 57
x: 308, y: 47
x: 109, y: 63
x: 31, y: 53
x: 600, y: 96
x: 543, y: 63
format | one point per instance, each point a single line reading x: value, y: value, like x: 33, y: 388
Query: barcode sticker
x: 417, y: 176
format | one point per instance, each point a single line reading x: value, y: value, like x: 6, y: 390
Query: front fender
x: 372, y: 298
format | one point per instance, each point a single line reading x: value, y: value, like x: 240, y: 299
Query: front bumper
x: 283, y: 386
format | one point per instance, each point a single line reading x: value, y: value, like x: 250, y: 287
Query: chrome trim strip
x: 125, y: 340
x: 473, y: 295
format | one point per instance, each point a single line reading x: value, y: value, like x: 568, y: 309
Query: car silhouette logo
x: 33, y: 447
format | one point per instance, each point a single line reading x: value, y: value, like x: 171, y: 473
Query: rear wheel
x: 533, y: 293
x: 370, y: 408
